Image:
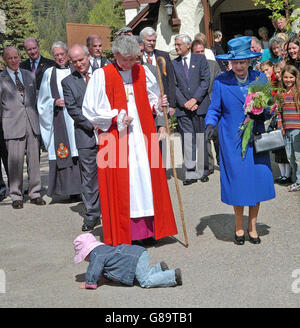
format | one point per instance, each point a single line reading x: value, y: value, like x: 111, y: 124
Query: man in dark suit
x: 3, y: 159
x: 192, y: 79
x: 198, y: 47
x: 149, y: 36
x: 35, y: 63
x: 94, y: 44
x: 74, y: 87
x: 21, y: 130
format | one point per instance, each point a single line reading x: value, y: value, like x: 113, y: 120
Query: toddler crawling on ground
x: 122, y: 263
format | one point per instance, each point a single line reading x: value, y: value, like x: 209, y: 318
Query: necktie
x: 95, y: 64
x: 87, y: 77
x: 33, y: 68
x: 19, y: 85
x: 149, y: 61
x: 185, y: 67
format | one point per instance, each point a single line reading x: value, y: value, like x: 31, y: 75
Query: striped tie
x: 19, y: 84
x: 149, y: 60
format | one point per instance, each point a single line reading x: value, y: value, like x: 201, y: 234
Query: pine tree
x: 19, y: 23
x: 108, y: 12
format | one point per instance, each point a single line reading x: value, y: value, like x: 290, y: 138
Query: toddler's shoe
x: 164, y: 266
x: 178, y: 277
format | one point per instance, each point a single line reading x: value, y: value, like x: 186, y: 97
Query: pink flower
x: 257, y: 111
x: 248, y: 102
x: 274, y: 108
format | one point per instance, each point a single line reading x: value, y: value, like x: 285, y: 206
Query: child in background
x: 280, y: 154
x: 289, y: 120
x: 122, y: 263
x: 277, y: 69
x: 267, y: 68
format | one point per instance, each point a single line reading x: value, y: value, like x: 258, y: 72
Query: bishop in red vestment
x: 121, y: 99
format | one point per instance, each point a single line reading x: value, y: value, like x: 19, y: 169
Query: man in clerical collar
x: 94, y: 44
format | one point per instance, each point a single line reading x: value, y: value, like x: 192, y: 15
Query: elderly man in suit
x: 35, y: 63
x: 94, y: 44
x: 20, y: 127
x: 198, y: 47
x: 74, y: 87
x: 149, y: 36
x: 3, y: 159
x: 192, y: 79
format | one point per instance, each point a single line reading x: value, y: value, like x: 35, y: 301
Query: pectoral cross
x: 128, y: 93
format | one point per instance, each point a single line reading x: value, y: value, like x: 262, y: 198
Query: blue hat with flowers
x: 239, y: 49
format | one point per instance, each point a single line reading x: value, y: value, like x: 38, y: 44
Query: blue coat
x: 248, y: 181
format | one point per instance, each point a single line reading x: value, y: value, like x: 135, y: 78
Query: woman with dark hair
x: 293, y: 52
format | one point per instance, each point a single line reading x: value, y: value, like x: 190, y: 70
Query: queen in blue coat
x: 244, y: 181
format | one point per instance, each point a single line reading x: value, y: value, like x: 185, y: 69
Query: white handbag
x: 268, y: 141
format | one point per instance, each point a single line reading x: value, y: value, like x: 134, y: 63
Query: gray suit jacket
x: 74, y: 88
x: 12, y: 110
x: 215, y: 70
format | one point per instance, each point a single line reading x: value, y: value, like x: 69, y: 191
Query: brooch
x: 62, y: 151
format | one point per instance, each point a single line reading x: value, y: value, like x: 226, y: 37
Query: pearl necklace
x: 242, y: 81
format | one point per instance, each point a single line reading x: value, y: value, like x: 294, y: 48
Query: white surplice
x: 45, y: 108
x: 97, y: 109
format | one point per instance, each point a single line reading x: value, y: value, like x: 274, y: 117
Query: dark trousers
x: 215, y: 140
x: 3, y: 159
x: 194, y: 146
x: 90, y: 188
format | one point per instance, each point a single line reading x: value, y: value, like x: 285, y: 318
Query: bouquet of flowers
x: 259, y: 101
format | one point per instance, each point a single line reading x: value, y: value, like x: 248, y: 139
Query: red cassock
x: 114, y: 178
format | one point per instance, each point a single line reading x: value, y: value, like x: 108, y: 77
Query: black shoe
x: 204, y: 178
x: 75, y: 198
x: 87, y: 227
x: 285, y: 180
x: 38, y: 201
x: 137, y: 242
x: 164, y: 266
x: 239, y: 240
x: 210, y: 172
x: 17, y: 204
x: 254, y: 240
x: 149, y: 241
x: 189, y: 181
x: 278, y: 180
x: 178, y: 277
x: 2, y: 197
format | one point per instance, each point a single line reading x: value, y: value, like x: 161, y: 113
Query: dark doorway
x: 237, y: 22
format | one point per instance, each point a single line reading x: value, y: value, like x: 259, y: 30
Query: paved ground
x: 36, y: 255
